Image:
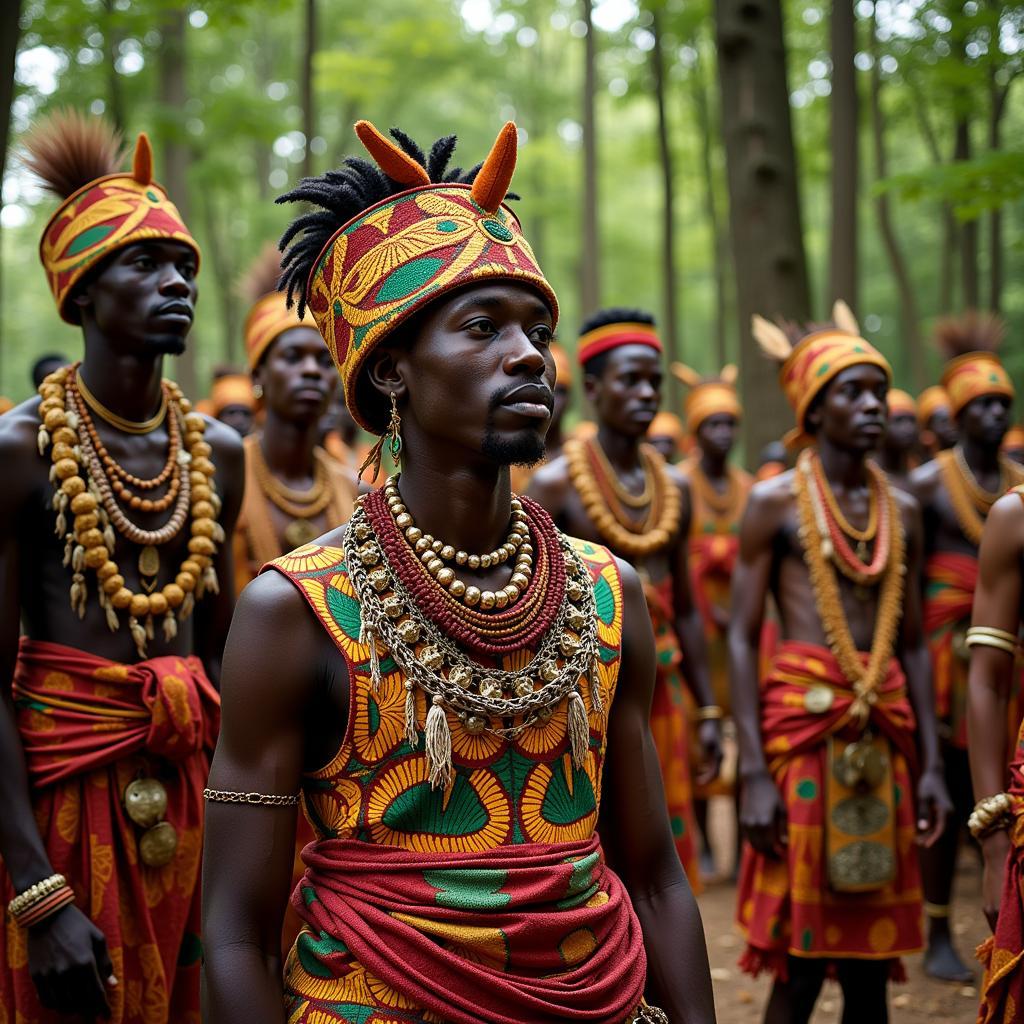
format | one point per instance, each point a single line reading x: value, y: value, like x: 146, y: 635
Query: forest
x: 705, y: 159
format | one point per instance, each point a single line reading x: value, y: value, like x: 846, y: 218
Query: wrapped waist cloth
x: 539, y: 933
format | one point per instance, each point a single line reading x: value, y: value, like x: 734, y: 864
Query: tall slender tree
x: 590, y: 254
x: 10, y: 30
x: 843, y: 136
x: 308, y: 94
x: 764, y: 202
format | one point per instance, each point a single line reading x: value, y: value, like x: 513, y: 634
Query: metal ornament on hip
x: 145, y: 803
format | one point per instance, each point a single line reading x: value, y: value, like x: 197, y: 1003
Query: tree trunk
x: 226, y: 271
x: 590, y: 269
x: 998, y: 94
x: 115, y: 94
x: 10, y: 22
x: 669, y: 327
x: 306, y: 77
x: 970, y: 283
x: 709, y: 132
x: 843, y: 135
x: 909, y: 325
x: 173, y: 169
x: 538, y: 129
x: 764, y: 202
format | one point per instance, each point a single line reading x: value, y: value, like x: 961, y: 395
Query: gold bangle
x: 34, y: 893
x: 225, y: 796
x: 709, y: 713
x: 985, y: 640
x: 1002, y: 634
x: 936, y: 909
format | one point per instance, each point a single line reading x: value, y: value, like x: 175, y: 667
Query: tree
x: 843, y: 135
x: 308, y: 97
x: 590, y: 254
x: 764, y: 204
x: 10, y: 25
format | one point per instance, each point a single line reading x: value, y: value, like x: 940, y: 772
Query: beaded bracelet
x: 990, y: 636
x: 46, y: 907
x: 990, y: 814
x: 34, y: 893
x: 709, y: 713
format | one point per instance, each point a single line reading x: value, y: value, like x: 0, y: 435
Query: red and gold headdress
x: 971, y: 342
x: 608, y: 336
x: 810, y: 364
x: 393, y: 259
x: 103, y: 209
x: 708, y: 396
x: 270, y: 316
x: 231, y: 389
x: 901, y: 403
x: 929, y: 402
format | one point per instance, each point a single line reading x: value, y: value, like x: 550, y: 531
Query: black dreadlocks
x: 344, y: 194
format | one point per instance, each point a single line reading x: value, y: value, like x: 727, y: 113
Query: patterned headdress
x: 104, y: 210
x: 667, y: 424
x: 708, y: 396
x: 611, y: 335
x: 231, y: 389
x: 901, y: 403
x: 971, y: 342
x: 429, y: 236
x: 810, y: 364
x: 270, y: 315
x: 563, y: 365
x: 929, y: 402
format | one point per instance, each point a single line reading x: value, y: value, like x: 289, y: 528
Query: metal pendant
x: 299, y: 532
x: 145, y: 802
x: 158, y: 845
x: 818, y: 699
x: 149, y: 561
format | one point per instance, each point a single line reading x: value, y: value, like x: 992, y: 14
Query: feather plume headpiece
x: 971, y: 342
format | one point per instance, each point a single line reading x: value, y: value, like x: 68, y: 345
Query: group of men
x: 501, y: 736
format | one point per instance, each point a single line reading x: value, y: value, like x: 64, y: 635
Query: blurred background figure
x: 1013, y: 444
x: 668, y: 435
x: 233, y: 402
x: 772, y: 461
x: 897, y: 453
x: 45, y: 365
x: 935, y: 418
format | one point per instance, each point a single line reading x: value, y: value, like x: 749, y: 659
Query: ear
x: 386, y: 374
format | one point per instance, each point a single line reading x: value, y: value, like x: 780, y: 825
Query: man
x: 233, y: 402
x: 830, y: 879
x: 615, y: 489
x: 997, y: 756
x: 457, y: 874
x: 938, y: 428
x: 772, y: 461
x: 1013, y: 445
x: 555, y: 440
x: 106, y: 732
x: 899, y: 444
x: 668, y: 435
x: 45, y: 365
x: 956, y: 491
x: 294, y: 491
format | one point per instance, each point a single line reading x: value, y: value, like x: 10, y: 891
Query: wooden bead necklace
x: 971, y: 502
x: 622, y: 493
x: 85, y: 493
x: 722, y: 505
x: 302, y: 506
x: 614, y: 527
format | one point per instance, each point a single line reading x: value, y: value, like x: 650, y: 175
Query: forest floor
x: 740, y: 999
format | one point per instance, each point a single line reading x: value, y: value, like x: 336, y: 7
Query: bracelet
x: 936, y: 909
x: 990, y: 814
x: 224, y: 796
x: 989, y: 636
x: 46, y: 907
x: 34, y: 893
x: 709, y: 713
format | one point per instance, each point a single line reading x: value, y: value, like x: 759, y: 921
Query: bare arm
x: 269, y: 676
x: 762, y: 813
x: 638, y: 838
x: 933, y: 803
x: 997, y: 602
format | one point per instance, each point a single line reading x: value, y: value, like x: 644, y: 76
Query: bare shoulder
x: 907, y: 504
x: 550, y: 484
x: 1004, y: 525
x: 772, y: 495
x: 226, y: 444
x: 925, y: 479
x: 679, y: 476
x: 24, y: 467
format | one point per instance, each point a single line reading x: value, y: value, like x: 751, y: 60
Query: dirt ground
x: 741, y: 1000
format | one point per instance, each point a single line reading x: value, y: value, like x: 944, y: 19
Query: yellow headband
x: 973, y: 375
x: 901, y: 403
x: 269, y: 318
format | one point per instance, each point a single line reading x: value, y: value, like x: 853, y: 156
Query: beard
x: 525, y: 448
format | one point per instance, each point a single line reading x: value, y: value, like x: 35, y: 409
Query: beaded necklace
x: 721, y: 505
x: 83, y: 489
x: 971, y: 502
x: 302, y: 506
x: 620, y: 531
x: 815, y: 542
x: 481, y: 698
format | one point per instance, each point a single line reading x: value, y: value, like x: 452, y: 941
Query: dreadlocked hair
x: 68, y: 149
x: 972, y: 331
x: 263, y: 274
x: 343, y: 194
x: 594, y: 366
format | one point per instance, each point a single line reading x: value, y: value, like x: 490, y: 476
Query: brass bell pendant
x: 158, y: 844
x: 145, y: 802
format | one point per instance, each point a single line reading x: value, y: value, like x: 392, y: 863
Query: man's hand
x: 933, y: 806
x: 710, y: 735
x: 763, y: 815
x: 69, y: 964
x: 995, y: 850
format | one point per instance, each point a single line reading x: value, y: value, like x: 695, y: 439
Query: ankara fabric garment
x: 89, y: 727
x: 786, y: 906
x: 507, y: 853
x: 670, y: 728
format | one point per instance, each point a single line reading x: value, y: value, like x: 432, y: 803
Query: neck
x: 712, y: 466
x: 622, y: 451
x: 981, y: 457
x: 894, y: 460
x: 128, y: 385
x: 842, y: 466
x: 288, y: 445
x: 464, y: 502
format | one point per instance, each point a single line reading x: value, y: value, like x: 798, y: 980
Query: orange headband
x: 1014, y: 439
x: 901, y: 403
x: 605, y: 338
x: 231, y: 389
x: 814, y: 362
x: 929, y: 402
x: 973, y: 375
x: 106, y: 215
x: 563, y: 365
x: 269, y: 318
x: 710, y: 399
x: 667, y: 424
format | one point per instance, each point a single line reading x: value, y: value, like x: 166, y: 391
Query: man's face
x: 901, y: 432
x: 943, y: 426
x: 852, y: 413
x: 985, y: 419
x: 238, y: 417
x: 479, y: 372
x: 717, y: 434
x: 297, y: 375
x: 143, y: 299
x: 665, y: 445
x: 627, y: 393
